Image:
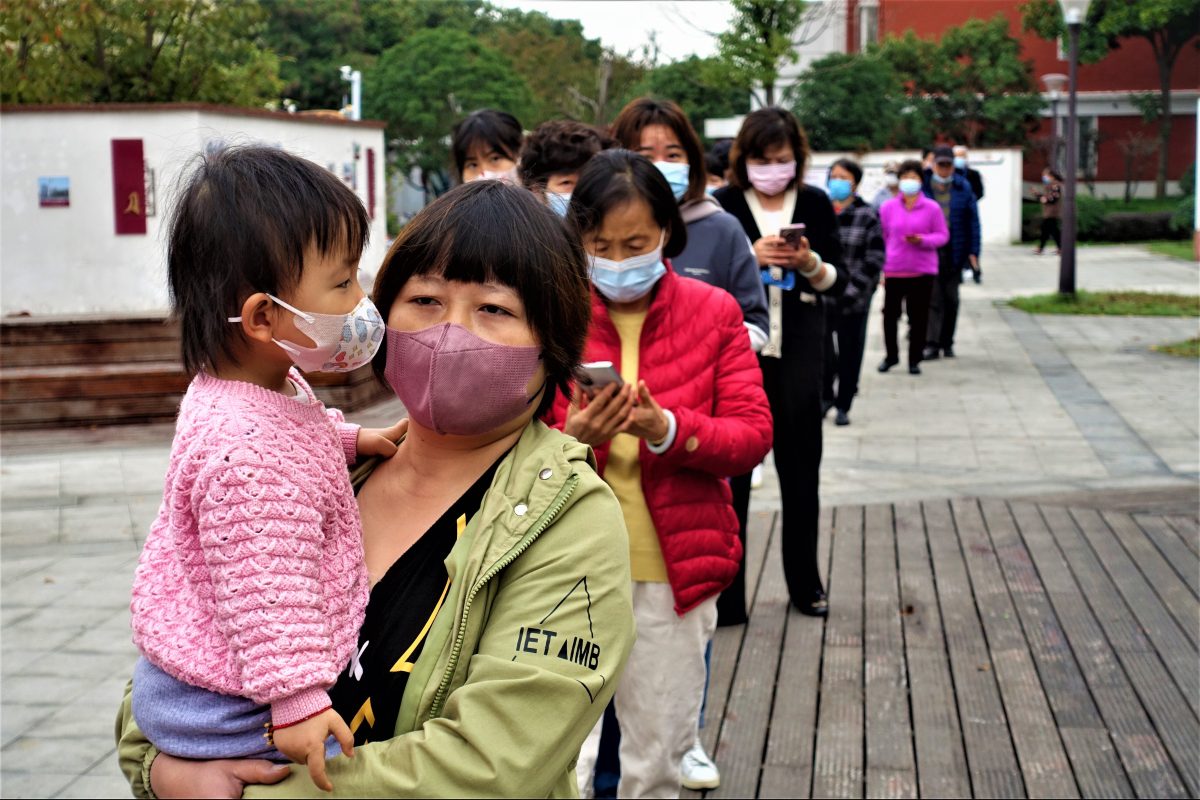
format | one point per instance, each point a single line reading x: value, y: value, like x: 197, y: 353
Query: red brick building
x: 1107, y: 117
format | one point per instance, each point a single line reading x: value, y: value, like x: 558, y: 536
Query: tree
x: 849, y: 102
x: 688, y: 83
x: 422, y: 86
x: 759, y: 42
x: 972, y: 85
x: 1168, y: 25
x: 112, y: 51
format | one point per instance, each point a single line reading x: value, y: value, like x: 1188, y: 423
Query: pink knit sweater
x: 252, y: 581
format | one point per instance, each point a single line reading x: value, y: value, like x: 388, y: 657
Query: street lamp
x: 1054, y: 82
x: 354, y: 78
x: 1074, y: 13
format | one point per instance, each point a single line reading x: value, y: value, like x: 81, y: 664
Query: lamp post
x: 354, y: 78
x: 1074, y: 13
x: 1054, y: 82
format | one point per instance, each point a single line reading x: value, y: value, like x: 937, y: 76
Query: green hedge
x: 1096, y: 222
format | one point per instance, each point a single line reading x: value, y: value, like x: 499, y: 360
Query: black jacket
x: 803, y: 323
x: 975, y: 179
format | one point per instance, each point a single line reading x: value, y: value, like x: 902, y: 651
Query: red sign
x: 371, y: 181
x: 129, y: 186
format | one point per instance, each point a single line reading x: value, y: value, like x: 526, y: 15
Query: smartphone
x: 595, y: 375
x: 792, y: 234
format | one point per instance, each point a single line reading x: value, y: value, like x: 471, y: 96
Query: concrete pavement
x: 1031, y: 405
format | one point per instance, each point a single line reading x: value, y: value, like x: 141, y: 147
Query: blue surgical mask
x: 711, y: 190
x: 939, y: 179
x: 960, y: 162
x: 630, y: 279
x: 1046, y: 179
x: 910, y: 186
x: 558, y: 202
x: 677, y: 174
x: 839, y: 189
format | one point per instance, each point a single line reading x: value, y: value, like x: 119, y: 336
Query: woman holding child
x: 499, y: 615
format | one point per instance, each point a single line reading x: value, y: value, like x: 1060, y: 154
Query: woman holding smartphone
x: 689, y: 411
x: 768, y: 197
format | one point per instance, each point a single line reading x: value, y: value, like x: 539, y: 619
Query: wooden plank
x: 1174, y: 723
x: 748, y: 712
x: 1175, y: 593
x: 1142, y: 755
x: 1188, y: 529
x: 1177, y: 652
x: 891, y: 767
x: 941, y: 762
x: 991, y: 758
x: 1098, y: 773
x: 838, y: 764
x: 727, y: 642
x: 1174, y: 551
x: 791, y: 742
x: 1039, y: 749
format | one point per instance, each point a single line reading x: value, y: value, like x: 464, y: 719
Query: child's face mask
x: 343, y: 342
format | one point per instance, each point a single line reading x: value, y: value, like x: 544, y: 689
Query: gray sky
x: 625, y: 25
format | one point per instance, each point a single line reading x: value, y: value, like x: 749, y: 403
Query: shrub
x: 1184, y: 218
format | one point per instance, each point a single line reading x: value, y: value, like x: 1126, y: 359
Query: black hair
x: 911, y: 165
x: 559, y: 146
x: 497, y: 129
x: 243, y: 221
x: 488, y: 231
x: 615, y: 177
x: 1054, y: 174
x: 925, y: 151
x: 851, y: 166
x: 712, y: 165
x: 721, y: 151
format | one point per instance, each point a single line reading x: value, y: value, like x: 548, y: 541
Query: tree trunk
x: 1165, y: 62
x: 769, y: 94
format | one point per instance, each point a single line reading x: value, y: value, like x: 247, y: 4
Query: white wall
x: 69, y: 261
x: 999, y: 210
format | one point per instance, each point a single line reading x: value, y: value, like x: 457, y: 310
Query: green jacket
x: 520, y: 661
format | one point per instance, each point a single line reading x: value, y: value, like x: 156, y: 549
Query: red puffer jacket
x: 696, y: 360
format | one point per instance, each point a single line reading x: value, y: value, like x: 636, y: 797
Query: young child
x: 251, y: 588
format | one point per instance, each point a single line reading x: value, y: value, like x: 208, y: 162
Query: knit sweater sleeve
x: 261, y: 539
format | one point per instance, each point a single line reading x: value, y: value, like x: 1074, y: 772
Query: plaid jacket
x: 862, y: 255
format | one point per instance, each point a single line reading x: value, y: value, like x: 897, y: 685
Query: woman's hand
x: 177, y: 777
x: 596, y: 420
x: 647, y: 420
x: 380, y: 441
x: 774, y: 251
x: 913, y: 238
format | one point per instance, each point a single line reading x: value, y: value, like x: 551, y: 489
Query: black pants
x: 844, y: 344
x: 913, y: 295
x: 943, y: 312
x: 793, y: 387
x: 1050, y: 231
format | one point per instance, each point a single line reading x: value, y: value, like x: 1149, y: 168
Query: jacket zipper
x: 559, y: 501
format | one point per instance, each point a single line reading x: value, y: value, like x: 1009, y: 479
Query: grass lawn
x: 1175, y: 248
x: 1189, y: 348
x: 1117, y: 304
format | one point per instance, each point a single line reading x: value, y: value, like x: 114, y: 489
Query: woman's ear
x: 258, y: 317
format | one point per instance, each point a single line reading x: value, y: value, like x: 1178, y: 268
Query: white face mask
x: 344, y: 342
x: 630, y: 279
x: 508, y: 176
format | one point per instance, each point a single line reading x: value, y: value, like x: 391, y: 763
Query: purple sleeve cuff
x: 348, y: 433
x: 300, y: 705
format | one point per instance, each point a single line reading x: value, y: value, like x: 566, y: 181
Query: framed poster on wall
x: 54, y: 192
x: 129, y: 186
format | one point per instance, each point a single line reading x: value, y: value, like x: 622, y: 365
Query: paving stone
x: 17, y: 718
x: 90, y: 786
x: 26, y: 526
x: 34, y: 784
x: 74, y: 756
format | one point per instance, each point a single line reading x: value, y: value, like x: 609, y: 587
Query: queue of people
x: 598, y: 335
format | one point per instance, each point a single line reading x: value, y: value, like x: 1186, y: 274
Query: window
x: 868, y: 24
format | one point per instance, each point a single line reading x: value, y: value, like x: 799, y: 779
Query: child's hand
x: 304, y: 742
x: 380, y: 441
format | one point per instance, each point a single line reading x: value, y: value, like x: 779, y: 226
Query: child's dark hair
x: 559, y: 146
x: 497, y: 129
x: 243, y: 221
x: 712, y: 165
x: 615, y: 177
x: 851, y: 166
x: 487, y: 231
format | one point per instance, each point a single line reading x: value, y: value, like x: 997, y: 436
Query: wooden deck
x: 974, y: 648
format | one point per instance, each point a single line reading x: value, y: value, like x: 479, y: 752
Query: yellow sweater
x: 624, y: 473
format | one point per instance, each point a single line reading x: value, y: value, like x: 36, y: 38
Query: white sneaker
x: 697, y: 770
x: 756, y: 477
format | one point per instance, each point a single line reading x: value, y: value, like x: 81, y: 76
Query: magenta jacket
x: 906, y: 260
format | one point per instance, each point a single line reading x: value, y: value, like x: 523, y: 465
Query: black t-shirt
x: 399, y: 614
